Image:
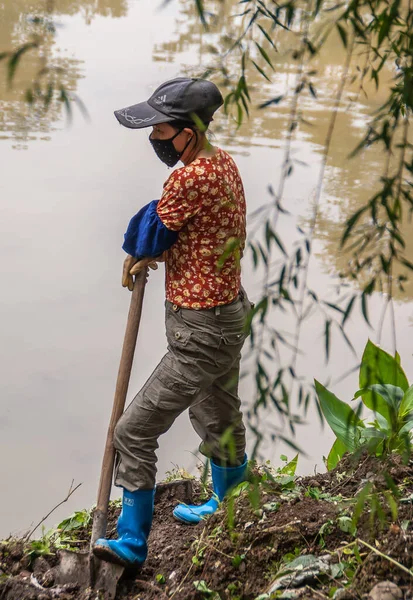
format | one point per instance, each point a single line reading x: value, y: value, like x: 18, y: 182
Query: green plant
x: 77, y: 520
x: 177, y: 473
x: 202, y: 587
x: 384, y: 389
x: 43, y: 546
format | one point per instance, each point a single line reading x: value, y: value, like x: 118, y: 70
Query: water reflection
x: 42, y: 68
x: 347, y: 186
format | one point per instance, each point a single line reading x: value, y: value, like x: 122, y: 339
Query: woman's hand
x: 132, y: 267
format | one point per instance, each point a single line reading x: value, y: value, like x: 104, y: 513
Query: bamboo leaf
x: 272, y: 101
x: 312, y: 90
x: 260, y: 71
x: 201, y: 12
x: 351, y: 222
x: 327, y: 331
x: 348, y: 310
x: 364, y: 308
x: 343, y: 34
x: 15, y: 59
x: 318, y: 5
x: 267, y: 36
x: 264, y: 55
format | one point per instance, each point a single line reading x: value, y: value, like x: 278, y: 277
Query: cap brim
x: 140, y: 115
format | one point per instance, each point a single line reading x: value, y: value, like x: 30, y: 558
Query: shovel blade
x: 81, y: 569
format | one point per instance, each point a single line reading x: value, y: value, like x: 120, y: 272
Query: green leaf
x: 264, y: 55
x: 382, y: 422
x: 260, y: 70
x: 201, y: 586
x: 341, y: 418
x: 406, y: 405
x: 230, y: 250
x: 318, y: 5
x: 275, y: 100
x: 364, y: 308
x: 391, y: 394
x: 343, y: 34
x: 15, y: 59
x: 267, y: 36
x: 289, y: 468
x: 348, y: 310
x: 237, y: 560
x: 377, y: 366
x: 338, y: 449
x: 361, y: 500
x: 201, y: 12
x: 351, y: 222
x: 406, y: 428
x: 312, y: 90
x: 327, y: 338
x: 346, y: 524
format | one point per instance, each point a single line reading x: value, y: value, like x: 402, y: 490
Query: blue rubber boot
x: 223, y: 479
x: 134, y: 525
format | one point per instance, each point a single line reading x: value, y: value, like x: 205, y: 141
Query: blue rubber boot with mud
x: 134, y: 525
x: 223, y: 479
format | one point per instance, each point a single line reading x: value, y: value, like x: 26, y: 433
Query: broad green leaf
x: 406, y: 428
x: 336, y: 453
x: 341, y: 418
x: 371, y: 432
x: 406, y: 405
x: 382, y: 422
x: 391, y: 394
x: 289, y: 468
x: 377, y: 366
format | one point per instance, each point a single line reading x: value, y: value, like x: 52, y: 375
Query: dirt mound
x: 279, y: 536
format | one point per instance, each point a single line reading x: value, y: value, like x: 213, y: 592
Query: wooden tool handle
x: 125, y: 367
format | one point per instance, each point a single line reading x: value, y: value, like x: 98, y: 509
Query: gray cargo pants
x: 200, y: 371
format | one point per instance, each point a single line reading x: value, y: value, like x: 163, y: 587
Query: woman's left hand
x: 132, y: 267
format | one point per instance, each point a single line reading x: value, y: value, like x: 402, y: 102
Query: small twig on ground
x: 389, y: 558
x: 276, y: 528
x: 149, y: 586
x: 316, y: 592
x: 71, y: 491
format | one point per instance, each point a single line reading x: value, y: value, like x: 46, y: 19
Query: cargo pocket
x: 233, y: 338
x: 178, y: 335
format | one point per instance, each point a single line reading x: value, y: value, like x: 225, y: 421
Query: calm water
x: 67, y: 194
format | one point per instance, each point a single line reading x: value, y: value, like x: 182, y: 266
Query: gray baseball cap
x: 175, y: 100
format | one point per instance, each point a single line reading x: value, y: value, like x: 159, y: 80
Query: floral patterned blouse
x: 204, y: 201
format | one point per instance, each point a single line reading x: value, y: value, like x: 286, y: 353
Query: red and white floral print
x: 205, y: 202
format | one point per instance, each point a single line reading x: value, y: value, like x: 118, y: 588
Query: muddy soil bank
x: 280, y: 537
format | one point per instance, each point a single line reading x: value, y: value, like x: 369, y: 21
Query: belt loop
x: 217, y: 310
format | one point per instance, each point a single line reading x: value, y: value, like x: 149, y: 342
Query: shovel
x: 83, y: 568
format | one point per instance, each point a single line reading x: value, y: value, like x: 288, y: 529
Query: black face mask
x: 166, y: 151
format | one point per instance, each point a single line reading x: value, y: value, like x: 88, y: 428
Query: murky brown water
x: 67, y: 194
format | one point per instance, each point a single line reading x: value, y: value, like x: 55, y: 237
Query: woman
x: 200, y: 215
